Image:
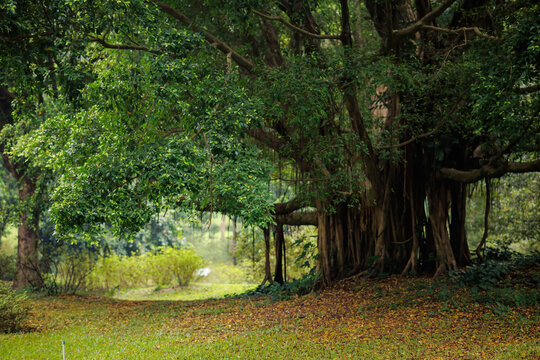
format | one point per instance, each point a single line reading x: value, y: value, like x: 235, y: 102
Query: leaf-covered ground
x: 397, y: 318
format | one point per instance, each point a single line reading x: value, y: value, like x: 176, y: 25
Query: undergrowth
x: 14, y: 309
x: 276, y: 291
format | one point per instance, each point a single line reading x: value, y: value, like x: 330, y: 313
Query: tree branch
x: 296, y: 28
x: 459, y: 30
x: 489, y: 171
x: 527, y: 89
x: 269, y: 139
x: 9, y: 38
x: 429, y: 133
x: 289, y: 206
x: 428, y: 18
x: 107, y: 45
x: 517, y: 138
x: 295, y: 218
x: 243, y: 62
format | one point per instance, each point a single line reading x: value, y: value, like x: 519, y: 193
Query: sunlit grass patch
x: 196, y: 291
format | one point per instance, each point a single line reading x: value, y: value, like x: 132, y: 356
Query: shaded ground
x: 397, y: 318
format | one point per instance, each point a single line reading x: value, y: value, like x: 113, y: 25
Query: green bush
x: 181, y: 263
x: 166, y: 266
x: 69, y: 274
x: 487, y: 274
x: 119, y: 272
x: 7, y: 266
x: 301, y: 286
x: 13, y: 309
x: 65, y: 267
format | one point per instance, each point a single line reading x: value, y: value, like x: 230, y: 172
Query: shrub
x: 182, y: 264
x: 7, y: 266
x: 13, y: 309
x: 163, y: 267
x: 487, y: 274
x: 67, y: 269
x: 484, y: 275
x: 120, y: 272
x: 301, y: 286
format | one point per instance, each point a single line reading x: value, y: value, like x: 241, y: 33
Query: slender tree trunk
x: 482, y: 243
x: 458, y: 235
x: 233, y: 243
x: 279, y: 239
x: 284, y: 258
x: 267, y: 269
x: 222, y: 229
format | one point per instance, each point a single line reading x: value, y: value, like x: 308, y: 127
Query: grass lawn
x: 396, y: 318
x: 196, y: 291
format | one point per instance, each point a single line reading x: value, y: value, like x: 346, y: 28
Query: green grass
x: 365, y: 320
x: 273, y: 343
x: 196, y: 291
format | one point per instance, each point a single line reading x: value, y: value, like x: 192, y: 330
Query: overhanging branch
x: 527, y: 89
x: 407, y: 142
x: 490, y: 171
x: 296, y: 218
x: 213, y: 40
x: 296, y: 28
x: 107, y: 45
x: 426, y: 20
x: 289, y: 206
x: 475, y: 29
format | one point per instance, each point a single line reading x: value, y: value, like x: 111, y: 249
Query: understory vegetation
x: 14, y: 309
x: 166, y: 266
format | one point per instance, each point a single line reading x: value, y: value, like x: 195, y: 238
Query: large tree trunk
x: 27, y: 271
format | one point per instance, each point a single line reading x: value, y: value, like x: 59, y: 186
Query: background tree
x: 32, y: 51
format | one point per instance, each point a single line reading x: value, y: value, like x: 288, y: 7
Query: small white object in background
x: 204, y: 272
x: 63, y: 350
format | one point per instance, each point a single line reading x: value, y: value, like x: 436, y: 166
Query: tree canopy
x: 380, y: 113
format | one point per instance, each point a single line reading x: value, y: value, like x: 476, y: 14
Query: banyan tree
x: 382, y: 111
